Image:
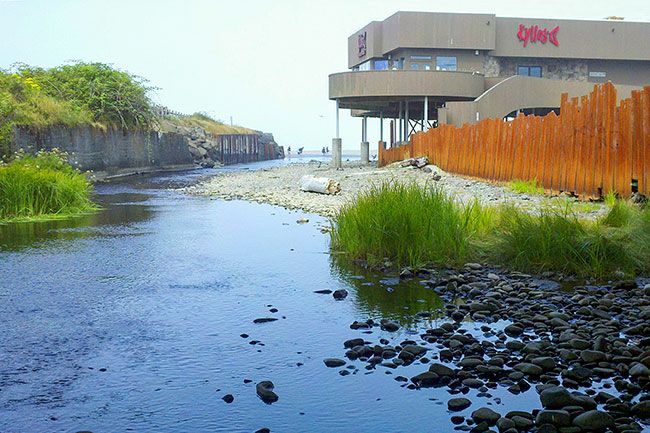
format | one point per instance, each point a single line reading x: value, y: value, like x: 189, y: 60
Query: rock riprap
x: 585, y: 351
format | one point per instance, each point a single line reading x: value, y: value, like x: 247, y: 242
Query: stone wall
x: 554, y: 69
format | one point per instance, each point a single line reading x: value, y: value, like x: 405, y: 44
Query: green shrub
x: 42, y: 186
x: 112, y: 96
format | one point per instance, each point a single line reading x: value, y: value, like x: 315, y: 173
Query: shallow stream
x: 131, y: 320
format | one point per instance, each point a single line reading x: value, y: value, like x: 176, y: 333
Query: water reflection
x: 388, y: 297
x: 117, y: 210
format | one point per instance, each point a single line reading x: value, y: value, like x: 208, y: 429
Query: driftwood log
x: 321, y: 185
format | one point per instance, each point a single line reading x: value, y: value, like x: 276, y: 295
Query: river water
x: 130, y: 320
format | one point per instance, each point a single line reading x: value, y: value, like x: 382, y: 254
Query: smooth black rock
x: 228, y: 398
x: 559, y: 418
x: 389, y: 326
x: 590, y: 356
x: 265, y: 320
x: 594, y: 420
x: 265, y: 392
x: 340, y: 294
x: 641, y: 409
x: 486, y: 415
x: 458, y: 404
x: 353, y: 343
x: 556, y: 397
x: 441, y: 370
x: 513, y: 330
x: 334, y: 362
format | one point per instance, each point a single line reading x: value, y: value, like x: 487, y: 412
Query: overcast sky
x: 265, y: 63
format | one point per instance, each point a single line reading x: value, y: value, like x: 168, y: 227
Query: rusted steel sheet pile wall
x: 238, y: 148
x: 593, y: 147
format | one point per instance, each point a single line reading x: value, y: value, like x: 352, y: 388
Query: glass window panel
x: 446, y: 63
x: 535, y: 71
x: 415, y: 66
x: 381, y: 65
x: 420, y: 57
x: 365, y: 66
x: 522, y: 70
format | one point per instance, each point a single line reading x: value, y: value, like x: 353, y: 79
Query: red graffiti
x: 534, y: 34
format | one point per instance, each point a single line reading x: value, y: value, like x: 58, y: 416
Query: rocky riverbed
x: 281, y: 186
x: 585, y: 350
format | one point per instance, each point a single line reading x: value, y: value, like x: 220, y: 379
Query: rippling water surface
x: 130, y: 320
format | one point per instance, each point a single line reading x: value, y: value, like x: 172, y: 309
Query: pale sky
x: 265, y: 63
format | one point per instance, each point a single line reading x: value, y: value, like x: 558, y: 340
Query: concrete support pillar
x: 336, y: 142
x: 401, y: 121
x: 336, y: 152
x: 406, y: 122
x: 365, y: 148
x: 381, y: 126
x: 425, y: 114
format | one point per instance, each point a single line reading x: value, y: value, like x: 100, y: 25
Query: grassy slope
x: 200, y: 120
x: 415, y: 226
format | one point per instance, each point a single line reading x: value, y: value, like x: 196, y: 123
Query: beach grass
x: 414, y: 225
x: 43, y: 186
x: 530, y: 187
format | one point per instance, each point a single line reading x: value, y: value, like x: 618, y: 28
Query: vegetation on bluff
x: 203, y: 120
x: 72, y: 95
x: 43, y: 186
x: 412, y: 225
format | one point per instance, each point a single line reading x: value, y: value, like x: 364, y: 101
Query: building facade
x: 418, y: 70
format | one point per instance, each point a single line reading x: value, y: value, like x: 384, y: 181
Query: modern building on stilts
x: 417, y: 70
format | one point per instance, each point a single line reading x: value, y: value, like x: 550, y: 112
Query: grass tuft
x: 409, y: 224
x: 531, y: 187
x: 413, y: 225
x: 41, y: 187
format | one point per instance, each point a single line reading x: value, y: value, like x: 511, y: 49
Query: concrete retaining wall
x: 122, y: 151
x: 112, y: 151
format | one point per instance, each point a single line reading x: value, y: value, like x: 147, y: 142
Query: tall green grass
x: 42, y: 186
x: 413, y: 225
x: 410, y: 225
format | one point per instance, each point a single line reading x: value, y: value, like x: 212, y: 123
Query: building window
x: 427, y: 67
x: 415, y: 66
x: 446, y: 63
x: 365, y: 66
x: 420, y: 57
x: 381, y: 65
x: 530, y: 71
